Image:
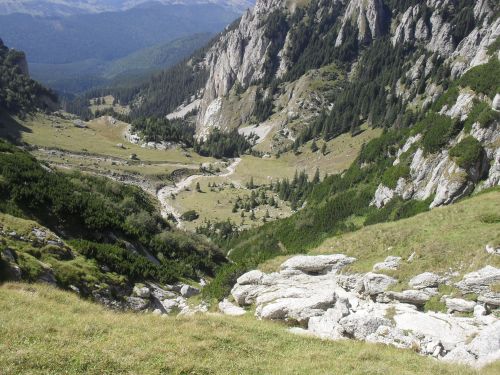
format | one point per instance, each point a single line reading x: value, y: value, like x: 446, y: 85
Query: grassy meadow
x: 47, y: 331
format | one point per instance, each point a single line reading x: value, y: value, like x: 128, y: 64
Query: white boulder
x: 390, y: 263
x: 141, y: 291
x: 317, y: 264
x: 375, y: 283
x: 425, y: 280
x: 460, y: 305
x: 479, y: 281
x: 229, y: 308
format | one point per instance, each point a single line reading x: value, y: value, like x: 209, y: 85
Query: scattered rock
x: 479, y: 281
x: 425, y: 280
x: 496, y: 103
x: 394, y: 336
x: 361, y: 324
x: 414, y: 297
x: 189, y: 291
x: 490, y: 249
x: 460, y: 355
x: 229, y: 308
x: 317, y: 264
x: 375, y: 283
x: 169, y: 305
x: 252, y: 277
x: 137, y: 303
x: 390, y: 263
x: 490, y: 298
x: 460, y: 305
x: 141, y: 291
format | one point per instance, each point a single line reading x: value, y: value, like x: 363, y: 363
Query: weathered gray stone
x: 136, y: 303
x: 251, y: 277
x: 229, y: 308
x: 317, y: 263
x: 141, y: 291
x: 390, y: 263
x: 374, y: 283
x: 490, y: 298
x: 460, y: 355
x: 394, y: 336
x: 189, y: 291
x: 460, y: 305
x: 361, y: 324
x: 414, y: 297
x: 425, y: 280
x: 479, y: 281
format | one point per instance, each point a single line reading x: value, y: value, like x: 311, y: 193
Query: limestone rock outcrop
x: 312, y: 293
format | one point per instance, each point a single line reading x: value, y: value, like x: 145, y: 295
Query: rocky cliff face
x: 238, y: 56
x: 241, y: 55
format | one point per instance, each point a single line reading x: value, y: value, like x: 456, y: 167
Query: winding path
x: 165, y: 194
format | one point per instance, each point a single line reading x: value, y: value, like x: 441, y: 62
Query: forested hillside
x: 19, y: 93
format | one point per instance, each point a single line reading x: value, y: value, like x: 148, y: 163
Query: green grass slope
x: 45, y: 330
x: 444, y: 240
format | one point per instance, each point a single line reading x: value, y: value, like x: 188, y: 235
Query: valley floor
x: 45, y: 330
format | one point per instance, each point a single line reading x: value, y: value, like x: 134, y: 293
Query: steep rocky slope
x: 263, y: 45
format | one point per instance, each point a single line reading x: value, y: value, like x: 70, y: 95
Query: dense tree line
x: 220, y: 144
x: 163, y: 130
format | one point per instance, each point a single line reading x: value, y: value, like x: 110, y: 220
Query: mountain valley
x: 313, y: 188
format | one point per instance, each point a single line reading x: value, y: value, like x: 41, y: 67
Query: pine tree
x: 323, y: 148
x: 316, y: 177
x: 314, y: 146
x: 252, y: 216
x: 198, y: 188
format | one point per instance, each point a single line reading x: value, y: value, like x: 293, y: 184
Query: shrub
x: 467, y: 152
x: 190, y: 215
x: 393, y: 174
x: 221, y: 285
x: 483, y: 78
x: 438, y: 130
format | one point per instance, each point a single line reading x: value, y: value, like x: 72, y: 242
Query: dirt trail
x: 165, y: 194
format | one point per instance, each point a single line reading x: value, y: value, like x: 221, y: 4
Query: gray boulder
x: 189, y: 291
x: 414, y: 297
x: 253, y: 277
x: 390, y: 263
x: 374, y: 283
x: 479, y: 281
x: 394, y: 336
x: 317, y: 264
x: 169, y: 305
x: 496, y: 103
x: 327, y: 326
x: 297, y: 309
x: 490, y: 298
x: 137, y: 303
x: 460, y: 305
x: 141, y: 291
x: 229, y: 308
x: 486, y: 345
x: 425, y: 280
x: 361, y: 324
x: 460, y: 355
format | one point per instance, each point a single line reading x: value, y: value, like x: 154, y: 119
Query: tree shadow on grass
x: 11, y: 129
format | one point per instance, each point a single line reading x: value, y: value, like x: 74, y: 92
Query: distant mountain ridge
x: 52, y: 8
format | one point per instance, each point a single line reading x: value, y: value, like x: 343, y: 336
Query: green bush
x: 438, y: 130
x: 223, y: 282
x: 393, y: 174
x: 483, y: 78
x: 190, y: 215
x: 467, y: 153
